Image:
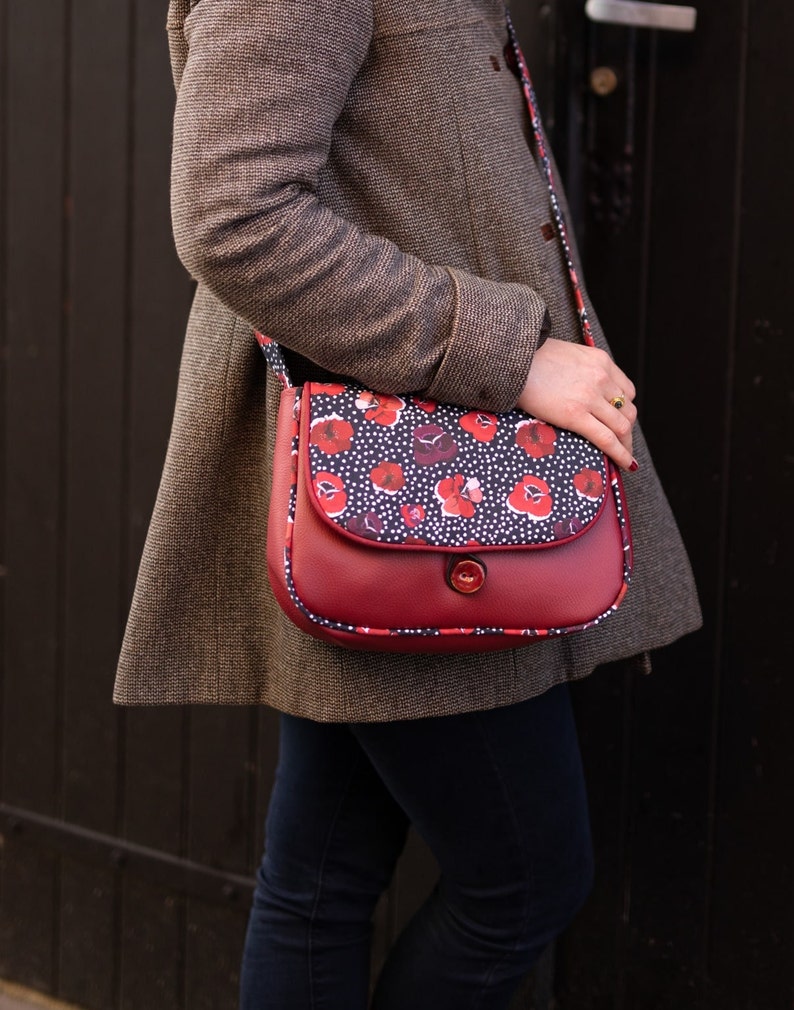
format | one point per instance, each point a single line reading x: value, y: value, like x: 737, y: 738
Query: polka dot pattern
x: 400, y: 469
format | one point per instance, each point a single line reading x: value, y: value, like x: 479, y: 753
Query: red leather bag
x: 401, y: 524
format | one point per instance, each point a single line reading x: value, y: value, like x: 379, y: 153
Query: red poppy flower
x: 567, y: 527
x: 329, y: 388
x: 418, y: 541
x: 459, y: 495
x: 536, y: 438
x: 589, y: 484
x: 331, y: 434
x: 388, y: 477
x: 368, y: 525
x: 531, y: 497
x: 330, y: 492
x: 433, y: 445
x: 480, y: 424
x: 380, y: 407
x: 412, y: 515
x: 428, y: 406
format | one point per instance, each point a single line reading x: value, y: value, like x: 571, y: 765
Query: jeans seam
x: 528, y: 865
x: 321, y: 871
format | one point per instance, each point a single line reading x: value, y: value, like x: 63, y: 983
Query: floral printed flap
x: 410, y: 471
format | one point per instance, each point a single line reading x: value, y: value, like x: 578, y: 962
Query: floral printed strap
x: 275, y: 358
x: 542, y: 148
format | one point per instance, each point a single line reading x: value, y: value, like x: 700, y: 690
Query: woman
x: 357, y: 179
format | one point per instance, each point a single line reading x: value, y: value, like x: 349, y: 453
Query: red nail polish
x: 634, y: 466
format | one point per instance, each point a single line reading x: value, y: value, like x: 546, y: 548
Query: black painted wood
x: 92, y: 387
x: 751, y: 941
x: 687, y: 290
x: 690, y: 771
x: 151, y: 947
x: 35, y: 64
x: 154, y: 747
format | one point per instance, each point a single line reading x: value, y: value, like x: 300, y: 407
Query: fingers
x: 619, y: 421
x: 603, y: 436
x: 572, y: 385
x: 622, y: 383
x: 616, y: 412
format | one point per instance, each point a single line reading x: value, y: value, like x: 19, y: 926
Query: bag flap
x: 402, y: 470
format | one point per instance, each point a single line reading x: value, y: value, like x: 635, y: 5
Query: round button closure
x: 466, y: 575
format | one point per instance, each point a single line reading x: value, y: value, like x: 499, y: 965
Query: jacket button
x: 466, y: 575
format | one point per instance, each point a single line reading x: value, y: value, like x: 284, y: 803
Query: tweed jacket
x: 355, y: 178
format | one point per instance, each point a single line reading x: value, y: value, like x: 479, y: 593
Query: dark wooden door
x: 128, y: 839
x: 680, y: 180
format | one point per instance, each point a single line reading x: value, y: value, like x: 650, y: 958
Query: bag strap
x: 272, y: 350
x: 543, y: 149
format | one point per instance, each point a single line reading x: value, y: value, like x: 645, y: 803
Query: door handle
x: 642, y: 15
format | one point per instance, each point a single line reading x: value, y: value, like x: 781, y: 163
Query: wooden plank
x: 28, y: 902
x: 215, y: 945
x: 33, y: 319
x: 94, y: 375
x: 94, y: 378
x: 33, y: 395
x: 267, y: 762
x: 152, y: 931
x: 689, y: 222
x: 590, y: 956
x: 593, y: 956
x: 752, y: 948
x: 222, y: 800
x: 646, y: 277
x: 671, y: 765
x: 151, y: 943
x: 153, y: 812
x: 614, y: 232
x: 222, y: 826
x: 88, y: 905
x: 669, y: 871
x: 161, y: 291
x: 155, y: 742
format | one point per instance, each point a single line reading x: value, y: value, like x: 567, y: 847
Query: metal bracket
x: 668, y: 17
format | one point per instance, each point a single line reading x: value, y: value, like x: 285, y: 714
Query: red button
x: 466, y: 575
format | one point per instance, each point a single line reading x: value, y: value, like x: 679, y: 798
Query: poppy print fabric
x: 402, y: 470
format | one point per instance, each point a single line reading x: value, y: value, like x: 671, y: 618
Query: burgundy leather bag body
x: 401, y: 524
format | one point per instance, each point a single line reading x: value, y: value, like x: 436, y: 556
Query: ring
x: 618, y: 402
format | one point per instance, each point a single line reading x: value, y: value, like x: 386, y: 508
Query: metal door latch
x: 668, y: 17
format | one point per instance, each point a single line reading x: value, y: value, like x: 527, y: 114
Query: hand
x: 570, y: 385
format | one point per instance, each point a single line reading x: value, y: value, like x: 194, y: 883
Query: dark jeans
x: 499, y: 798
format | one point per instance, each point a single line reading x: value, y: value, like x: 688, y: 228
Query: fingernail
x: 634, y: 466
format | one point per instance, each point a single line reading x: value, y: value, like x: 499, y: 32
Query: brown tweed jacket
x: 354, y: 178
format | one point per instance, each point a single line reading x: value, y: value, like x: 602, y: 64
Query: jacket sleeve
x: 261, y: 88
